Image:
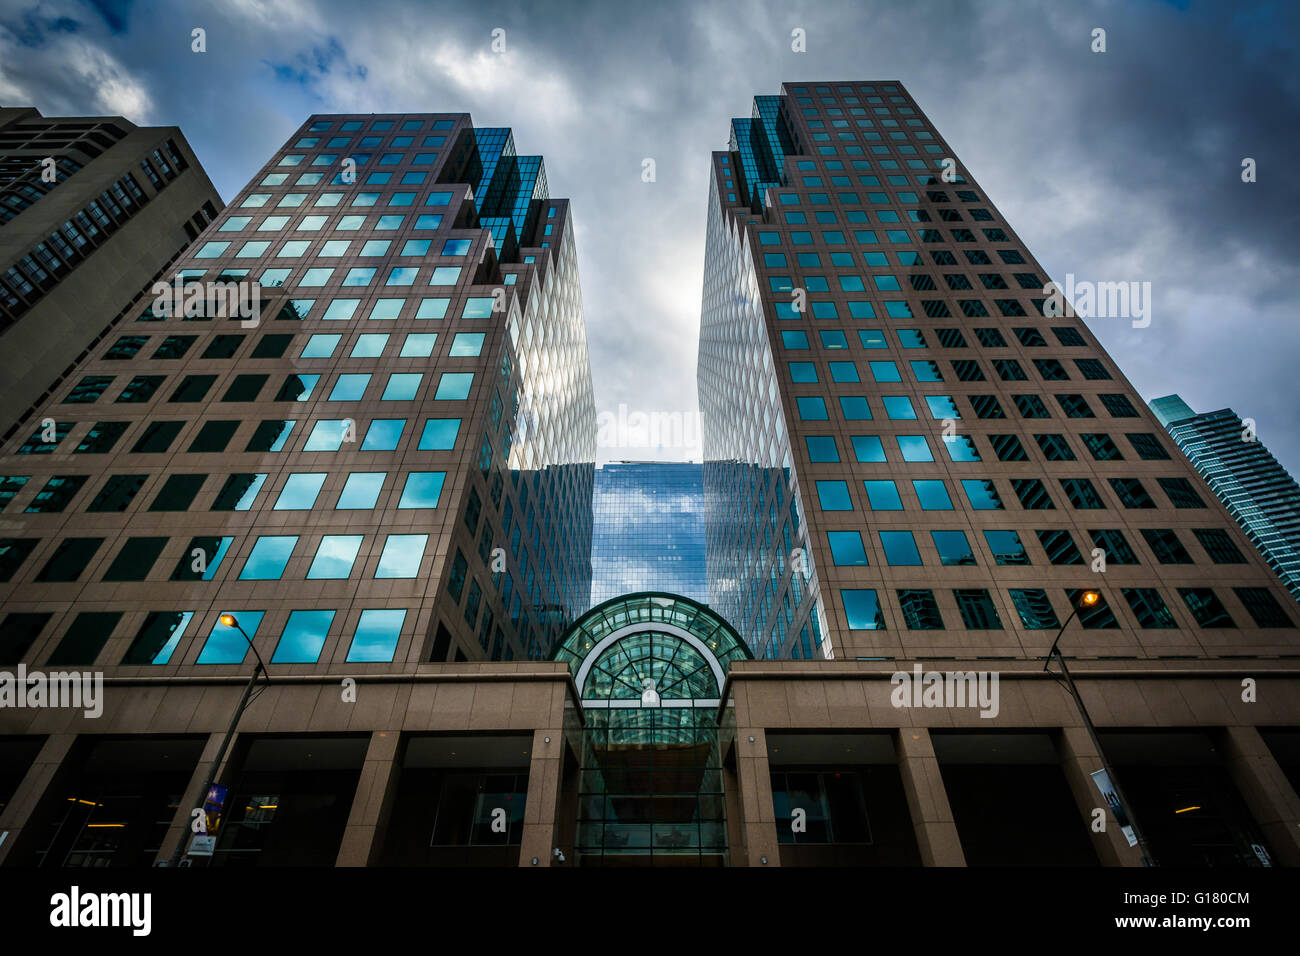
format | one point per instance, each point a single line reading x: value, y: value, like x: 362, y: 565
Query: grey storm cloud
x: 1114, y: 166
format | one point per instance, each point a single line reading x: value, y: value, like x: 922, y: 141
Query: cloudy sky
x: 1122, y: 165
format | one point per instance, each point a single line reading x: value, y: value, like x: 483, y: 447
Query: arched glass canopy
x: 651, y: 649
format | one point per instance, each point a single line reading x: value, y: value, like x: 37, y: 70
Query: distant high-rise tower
x: 904, y: 457
x: 92, y: 210
x: 648, y: 530
x: 1254, y: 487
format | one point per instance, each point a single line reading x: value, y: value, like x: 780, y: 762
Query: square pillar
x: 927, y: 800
x: 192, y: 798
x: 735, y: 827
x: 758, y: 817
x: 31, y: 791
x: 376, y: 789
x: 1269, y: 796
x: 1079, y: 760
x: 545, y: 771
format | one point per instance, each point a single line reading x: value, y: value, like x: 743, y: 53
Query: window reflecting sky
x: 648, y: 530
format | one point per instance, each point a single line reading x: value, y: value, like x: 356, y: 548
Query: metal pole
x: 179, y: 851
x: 1147, y: 858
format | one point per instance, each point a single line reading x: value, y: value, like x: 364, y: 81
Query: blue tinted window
x: 855, y: 408
x: 383, y: 434
x: 299, y: 492
x: 900, y: 548
x: 335, y: 556
x: 882, y: 495
x: 339, y: 309
x: 327, y: 435
x: 226, y: 645
x: 862, y: 610
x: 982, y: 494
x: 953, y: 547
x: 369, y: 345
x: 418, y: 344
x: 361, y: 490
x: 454, y: 385
x: 821, y: 448
x: 303, y: 637
x: 872, y: 339
x: 942, y: 406
x: 439, y: 434
x: 375, y: 638
x: 844, y: 372
x: 811, y: 408
x: 267, y: 559
x: 961, y: 448
x: 932, y: 494
x: 846, y: 548
x: 1006, y: 547
x: 834, y: 496
x: 386, y: 310
x: 478, y: 307
x: 467, y: 344
x: 401, y: 556
x: 885, y: 372
x: 914, y: 448
x: 803, y: 372
x: 432, y: 309
x: 898, y: 407
x: 422, y: 489
x: 349, y: 388
x: 402, y: 386
x: 868, y: 448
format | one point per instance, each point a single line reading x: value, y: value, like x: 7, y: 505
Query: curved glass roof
x: 678, y: 645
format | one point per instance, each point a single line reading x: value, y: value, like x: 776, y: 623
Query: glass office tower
x: 904, y: 456
x: 390, y: 461
x: 360, y: 422
x: 1250, y: 482
x: 648, y: 530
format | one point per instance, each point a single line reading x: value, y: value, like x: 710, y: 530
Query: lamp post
x: 1086, y: 600
x: 228, y: 620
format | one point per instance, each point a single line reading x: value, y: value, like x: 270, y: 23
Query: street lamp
x: 1090, y: 599
x: 228, y: 620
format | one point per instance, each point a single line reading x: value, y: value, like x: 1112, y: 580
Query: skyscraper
x: 913, y: 473
x: 903, y: 455
x: 92, y: 209
x: 1250, y: 482
x: 648, y: 530
x: 364, y: 429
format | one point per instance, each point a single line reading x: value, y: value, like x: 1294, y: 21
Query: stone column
x: 927, y: 801
x: 755, y: 779
x: 1079, y: 760
x: 32, y: 789
x: 545, y: 771
x: 372, y: 802
x: 1267, y: 792
x: 735, y: 820
x: 192, y: 797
